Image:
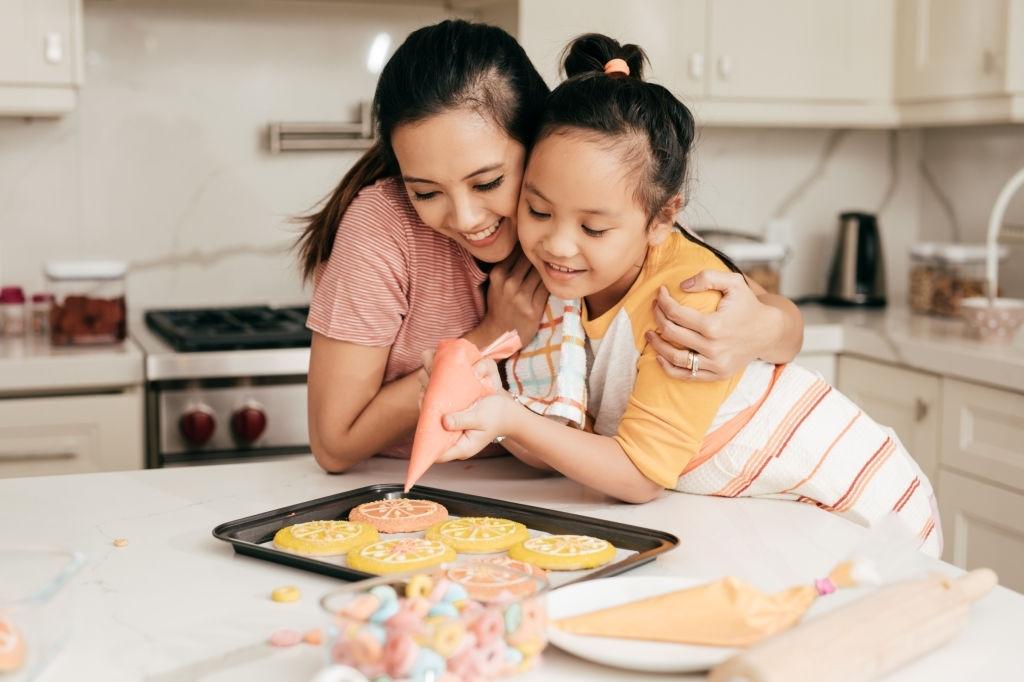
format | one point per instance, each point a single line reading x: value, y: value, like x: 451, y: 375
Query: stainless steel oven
x: 216, y: 392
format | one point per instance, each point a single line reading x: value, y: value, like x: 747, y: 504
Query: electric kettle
x: 858, y: 271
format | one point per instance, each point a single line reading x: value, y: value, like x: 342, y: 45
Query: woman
x: 421, y: 230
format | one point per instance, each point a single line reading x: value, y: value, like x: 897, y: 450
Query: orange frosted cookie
x: 324, y: 538
x: 479, y: 534
x: 402, y: 515
x: 564, y: 552
x: 497, y: 577
x: 399, y: 554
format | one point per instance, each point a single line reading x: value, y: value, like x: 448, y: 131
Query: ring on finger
x: 695, y: 365
x: 690, y: 355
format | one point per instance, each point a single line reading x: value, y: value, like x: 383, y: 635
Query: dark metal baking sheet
x: 252, y: 534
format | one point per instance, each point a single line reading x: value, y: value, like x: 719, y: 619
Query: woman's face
x: 579, y: 222
x: 463, y: 175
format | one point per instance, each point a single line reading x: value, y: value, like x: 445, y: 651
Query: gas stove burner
x: 213, y: 329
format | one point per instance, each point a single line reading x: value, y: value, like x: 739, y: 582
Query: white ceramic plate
x: 632, y: 654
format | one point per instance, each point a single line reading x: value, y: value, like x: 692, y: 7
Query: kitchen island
x: 175, y: 596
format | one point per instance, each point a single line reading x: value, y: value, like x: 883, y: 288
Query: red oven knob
x: 197, y: 424
x: 249, y: 422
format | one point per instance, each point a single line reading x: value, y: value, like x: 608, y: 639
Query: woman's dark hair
x: 451, y: 65
x: 652, y: 128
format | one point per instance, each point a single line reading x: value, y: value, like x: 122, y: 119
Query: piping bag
x: 453, y: 387
x: 726, y: 613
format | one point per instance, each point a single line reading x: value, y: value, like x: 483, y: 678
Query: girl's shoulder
x: 679, y: 255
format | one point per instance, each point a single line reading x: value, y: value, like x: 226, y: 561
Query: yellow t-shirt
x: 659, y: 421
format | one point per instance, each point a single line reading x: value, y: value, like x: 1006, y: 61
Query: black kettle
x: 858, y: 271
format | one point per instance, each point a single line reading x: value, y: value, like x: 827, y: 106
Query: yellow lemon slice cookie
x: 400, y: 554
x: 564, y: 552
x: 401, y: 515
x: 324, y: 538
x: 479, y: 534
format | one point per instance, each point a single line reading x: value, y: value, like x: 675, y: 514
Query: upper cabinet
x: 960, y: 61
x: 40, y: 56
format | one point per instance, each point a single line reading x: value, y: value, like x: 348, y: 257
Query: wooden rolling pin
x: 866, y: 639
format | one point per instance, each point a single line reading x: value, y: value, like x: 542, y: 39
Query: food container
x: 450, y: 619
x: 12, y: 312
x: 761, y: 262
x: 35, y: 608
x: 39, y: 315
x: 88, y: 304
x: 943, y: 275
x: 996, y: 320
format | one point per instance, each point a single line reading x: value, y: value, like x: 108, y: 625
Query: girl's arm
x: 352, y: 416
x: 598, y: 462
x: 749, y: 324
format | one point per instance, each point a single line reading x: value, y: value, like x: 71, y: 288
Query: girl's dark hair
x: 451, y: 65
x: 652, y: 128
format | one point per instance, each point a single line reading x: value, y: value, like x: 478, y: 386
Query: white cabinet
x: 71, y: 434
x: 960, y: 61
x: 983, y: 525
x: 739, y: 62
x: 983, y: 432
x: 905, y: 400
x: 40, y: 56
x: 822, y: 363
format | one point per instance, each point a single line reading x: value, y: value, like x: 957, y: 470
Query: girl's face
x: 579, y: 223
x: 463, y: 174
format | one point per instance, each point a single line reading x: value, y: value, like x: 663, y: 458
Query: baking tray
x: 252, y: 535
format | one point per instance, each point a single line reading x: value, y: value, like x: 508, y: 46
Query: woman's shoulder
x: 382, y: 205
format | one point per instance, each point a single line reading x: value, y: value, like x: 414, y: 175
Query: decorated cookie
x: 401, y: 515
x: 496, y: 578
x: 400, y: 554
x: 12, y: 647
x: 564, y: 552
x: 324, y: 538
x: 479, y: 534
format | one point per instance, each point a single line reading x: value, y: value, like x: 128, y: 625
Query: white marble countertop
x: 175, y: 595
x: 28, y: 365
x: 923, y: 342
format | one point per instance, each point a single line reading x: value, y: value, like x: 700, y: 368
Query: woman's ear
x: 664, y: 220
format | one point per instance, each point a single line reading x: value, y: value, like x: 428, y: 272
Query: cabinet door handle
x: 696, y: 64
x: 990, y: 62
x: 25, y: 456
x: 53, y: 48
x: 920, y: 410
x: 725, y: 67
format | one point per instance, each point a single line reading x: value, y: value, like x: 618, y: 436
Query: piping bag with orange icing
x: 726, y: 613
x: 453, y: 387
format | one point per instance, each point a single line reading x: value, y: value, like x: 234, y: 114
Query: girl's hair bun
x: 590, y: 52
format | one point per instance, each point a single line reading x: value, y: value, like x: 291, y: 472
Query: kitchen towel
x: 549, y: 375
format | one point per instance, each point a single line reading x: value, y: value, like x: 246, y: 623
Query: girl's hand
x: 516, y: 297
x: 484, y: 420
x: 726, y: 340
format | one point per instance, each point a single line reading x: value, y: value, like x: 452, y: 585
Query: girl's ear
x: 664, y: 220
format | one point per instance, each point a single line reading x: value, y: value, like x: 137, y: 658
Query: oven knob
x: 197, y: 424
x: 248, y: 423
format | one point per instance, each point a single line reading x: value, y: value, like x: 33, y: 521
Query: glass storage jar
x: 761, y: 262
x: 88, y: 302
x: 12, y: 312
x: 942, y: 275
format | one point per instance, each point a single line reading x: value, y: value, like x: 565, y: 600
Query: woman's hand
x: 741, y: 330
x: 516, y: 297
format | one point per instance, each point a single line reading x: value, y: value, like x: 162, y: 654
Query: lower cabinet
x: 822, y: 363
x: 907, y: 401
x: 71, y: 434
x: 983, y: 526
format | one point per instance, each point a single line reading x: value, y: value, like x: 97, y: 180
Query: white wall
x: 164, y: 163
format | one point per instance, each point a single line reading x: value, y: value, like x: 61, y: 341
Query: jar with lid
x: 12, y: 312
x: 942, y: 275
x: 761, y: 262
x: 39, y: 315
x: 88, y: 302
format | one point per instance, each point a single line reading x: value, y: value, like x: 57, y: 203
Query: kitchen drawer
x: 983, y: 525
x: 71, y: 434
x: 983, y: 432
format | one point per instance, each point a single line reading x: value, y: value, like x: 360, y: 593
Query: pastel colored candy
x: 362, y: 607
x: 429, y: 665
x: 443, y: 609
x: 385, y: 611
x: 455, y: 593
x: 384, y: 593
x: 513, y: 617
x: 285, y: 638
x: 447, y: 638
x: 400, y: 654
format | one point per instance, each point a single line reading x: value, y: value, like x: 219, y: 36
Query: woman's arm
x: 605, y: 466
x: 749, y: 324
x: 352, y: 416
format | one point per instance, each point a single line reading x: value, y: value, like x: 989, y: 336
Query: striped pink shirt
x: 393, y: 281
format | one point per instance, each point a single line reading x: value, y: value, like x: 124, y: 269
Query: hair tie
x: 616, y: 66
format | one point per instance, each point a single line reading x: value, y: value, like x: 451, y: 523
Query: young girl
x: 401, y: 253
x: 601, y: 191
